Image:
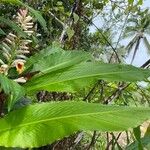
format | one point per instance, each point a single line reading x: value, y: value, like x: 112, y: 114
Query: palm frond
x: 147, y: 44
x: 136, y: 48
x: 129, y: 47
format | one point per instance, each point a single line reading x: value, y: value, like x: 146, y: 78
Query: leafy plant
x: 62, y: 77
x: 58, y: 65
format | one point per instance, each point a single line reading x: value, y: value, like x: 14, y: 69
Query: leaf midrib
x: 87, y: 76
x: 63, y: 117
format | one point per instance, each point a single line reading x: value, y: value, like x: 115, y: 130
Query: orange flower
x: 20, y: 66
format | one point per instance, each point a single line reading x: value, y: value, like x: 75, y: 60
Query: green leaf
x: 70, y: 32
x: 11, y: 1
x: 42, y: 54
x: 76, y: 17
x: 60, y: 60
x: 17, y: 92
x: 137, y: 134
x: 12, y: 89
x: 52, y: 121
x: 14, y: 26
x: 2, y: 32
x: 81, y: 75
x: 145, y: 141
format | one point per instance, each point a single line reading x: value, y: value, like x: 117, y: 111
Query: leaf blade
x: 24, y: 127
x: 13, y: 89
x: 88, y: 73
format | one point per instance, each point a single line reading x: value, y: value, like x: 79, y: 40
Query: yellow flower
x: 19, y: 66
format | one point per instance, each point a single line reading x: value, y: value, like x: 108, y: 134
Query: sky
x: 142, y: 55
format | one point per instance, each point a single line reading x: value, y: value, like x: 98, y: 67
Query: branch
x: 56, y: 18
x: 69, y: 23
x: 116, y: 93
x: 93, y: 141
x: 91, y: 91
x: 114, y: 138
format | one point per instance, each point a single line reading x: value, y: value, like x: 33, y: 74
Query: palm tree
x: 139, y: 27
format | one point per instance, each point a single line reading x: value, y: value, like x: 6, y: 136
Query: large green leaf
x: 80, y: 75
x: 40, y: 124
x: 54, y: 58
x: 11, y: 88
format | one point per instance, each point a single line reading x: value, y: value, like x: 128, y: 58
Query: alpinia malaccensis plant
x: 54, y: 69
x: 15, y: 48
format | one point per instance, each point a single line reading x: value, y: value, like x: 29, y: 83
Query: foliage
x: 48, y: 52
x: 63, y: 119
